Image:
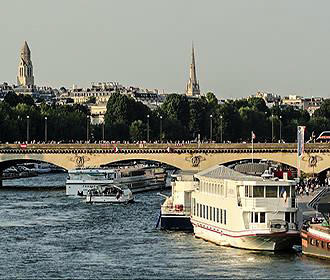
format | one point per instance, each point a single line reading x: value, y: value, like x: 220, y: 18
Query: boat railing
x: 176, y: 209
x: 271, y: 203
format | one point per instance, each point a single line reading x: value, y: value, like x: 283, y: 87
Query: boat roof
x: 223, y: 172
x: 93, y: 170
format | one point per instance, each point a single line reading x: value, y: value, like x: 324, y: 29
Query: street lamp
x: 87, y: 129
x: 103, y: 134
x: 281, y: 129
x: 160, y: 128
x: 148, y: 128
x: 27, y: 129
x: 211, y: 127
x: 45, y: 129
x: 272, y: 128
x: 221, y: 129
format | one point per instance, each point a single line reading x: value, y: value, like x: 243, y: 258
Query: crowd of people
x: 308, y: 186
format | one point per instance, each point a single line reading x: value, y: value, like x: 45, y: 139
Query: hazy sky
x: 282, y: 46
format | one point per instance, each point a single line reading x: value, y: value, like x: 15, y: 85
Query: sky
x: 241, y: 46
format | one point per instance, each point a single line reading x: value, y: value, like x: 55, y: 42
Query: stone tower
x: 25, y: 68
x: 192, y: 88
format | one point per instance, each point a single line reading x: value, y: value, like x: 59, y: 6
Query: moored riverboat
x: 109, y: 194
x: 138, y: 179
x: 249, y: 212
x: 315, y: 234
x: 176, y: 209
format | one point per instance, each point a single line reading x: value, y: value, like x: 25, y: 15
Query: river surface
x: 45, y: 234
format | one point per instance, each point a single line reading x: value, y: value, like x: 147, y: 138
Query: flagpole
x: 252, y: 145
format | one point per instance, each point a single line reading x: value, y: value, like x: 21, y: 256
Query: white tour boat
x: 176, y: 209
x: 233, y: 209
x: 109, y: 194
x: 138, y: 179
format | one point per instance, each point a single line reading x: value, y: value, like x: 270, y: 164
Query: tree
x: 137, y: 130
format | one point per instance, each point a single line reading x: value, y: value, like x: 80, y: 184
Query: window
x: 292, y: 217
x: 221, y: 216
x: 258, y: 191
x: 246, y: 191
x: 211, y: 210
x: 217, y: 215
x: 194, y: 203
x: 204, y: 211
x: 252, y: 215
x: 224, y: 216
x: 271, y: 191
x: 287, y: 217
x: 262, y: 217
x: 197, y: 210
x: 214, y: 214
x: 201, y: 210
x: 256, y: 217
x: 207, y: 212
x: 285, y: 188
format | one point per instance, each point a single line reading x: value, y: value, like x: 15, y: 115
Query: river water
x: 45, y: 234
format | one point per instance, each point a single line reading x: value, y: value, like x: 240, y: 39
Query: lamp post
x: 27, y: 129
x: 160, y: 128
x: 281, y: 129
x: 272, y: 128
x: 45, y: 129
x: 211, y: 127
x: 148, y: 128
x: 221, y: 129
x: 103, y: 134
x: 87, y: 129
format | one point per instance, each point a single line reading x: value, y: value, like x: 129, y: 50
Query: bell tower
x: 25, y: 69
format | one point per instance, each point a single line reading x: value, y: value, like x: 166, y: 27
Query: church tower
x: 25, y: 68
x: 192, y: 88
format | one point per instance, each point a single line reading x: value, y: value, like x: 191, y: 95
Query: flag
x: 300, y: 140
x: 23, y: 146
x: 283, y: 194
x: 253, y: 135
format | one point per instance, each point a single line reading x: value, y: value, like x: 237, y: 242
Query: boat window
x: 211, y: 210
x: 217, y: 215
x: 322, y: 244
x: 262, y: 217
x: 251, y: 215
x: 293, y: 192
x: 207, y: 212
x: 312, y: 241
x: 224, y: 216
x: 194, y: 204
x: 221, y: 216
x: 287, y: 217
x: 317, y: 242
x: 214, y: 214
x: 258, y: 191
x: 328, y: 245
x: 246, y: 191
x: 197, y: 210
x: 256, y: 217
x: 271, y: 191
x: 204, y: 211
x: 292, y: 217
x: 201, y: 210
x: 286, y: 188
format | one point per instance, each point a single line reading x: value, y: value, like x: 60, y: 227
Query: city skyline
x: 240, y: 47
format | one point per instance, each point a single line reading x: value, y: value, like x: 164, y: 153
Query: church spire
x: 192, y: 88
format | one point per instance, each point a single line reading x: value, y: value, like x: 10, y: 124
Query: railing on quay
x: 170, y: 147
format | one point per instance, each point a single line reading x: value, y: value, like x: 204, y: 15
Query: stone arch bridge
x: 186, y: 157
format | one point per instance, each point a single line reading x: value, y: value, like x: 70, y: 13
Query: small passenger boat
x: 315, y: 234
x: 109, y: 194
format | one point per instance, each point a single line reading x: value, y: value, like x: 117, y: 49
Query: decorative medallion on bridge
x: 195, y: 160
x: 79, y: 160
x: 313, y: 160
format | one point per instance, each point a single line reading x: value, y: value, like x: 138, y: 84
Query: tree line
x: 178, y: 118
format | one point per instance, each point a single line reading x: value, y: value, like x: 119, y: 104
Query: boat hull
x: 250, y: 240
x: 100, y: 199
x: 176, y: 222
x: 315, y: 246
